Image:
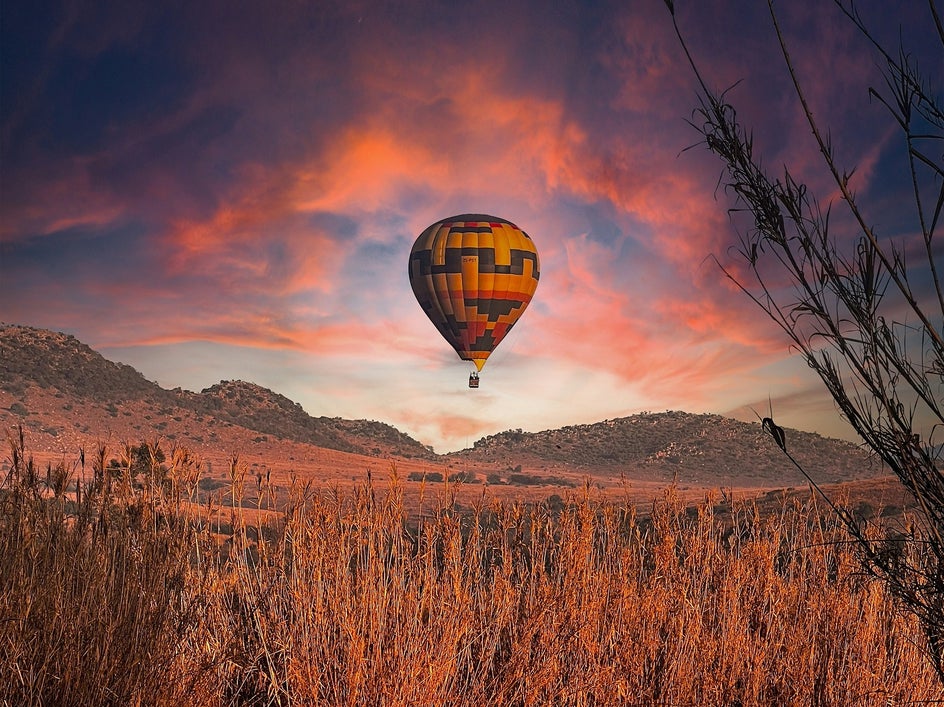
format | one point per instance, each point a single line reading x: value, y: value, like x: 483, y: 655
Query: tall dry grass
x: 97, y: 591
x: 124, y: 595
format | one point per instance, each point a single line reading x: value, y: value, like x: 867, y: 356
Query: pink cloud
x: 445, y: 425
x: 739, y: 323
x: 662, y: 338
x: 260, y: 331
x: 67, y: 200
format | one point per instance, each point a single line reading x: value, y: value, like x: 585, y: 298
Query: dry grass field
x: 121, y: 591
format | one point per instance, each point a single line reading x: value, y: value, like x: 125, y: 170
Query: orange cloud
x: 444, y: 425
x: 507, y: 144
x: 260, y: 331
x: 257, y: 241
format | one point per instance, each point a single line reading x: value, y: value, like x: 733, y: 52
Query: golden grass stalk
x: 344, y: 600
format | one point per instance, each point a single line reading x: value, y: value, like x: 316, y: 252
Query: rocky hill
x: 703, y: 447
x: 57, y: 372
x: 63, y: 391
x: 52, y: 360
x: 260, y: 409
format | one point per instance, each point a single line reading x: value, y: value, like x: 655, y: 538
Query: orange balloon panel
x: 474, y: 275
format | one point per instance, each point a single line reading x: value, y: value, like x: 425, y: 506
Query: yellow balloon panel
x: 474, y: 275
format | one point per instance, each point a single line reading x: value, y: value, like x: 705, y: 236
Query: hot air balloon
x: 474, y: 275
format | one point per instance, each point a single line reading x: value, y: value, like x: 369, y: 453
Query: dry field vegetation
x: 121, y: 591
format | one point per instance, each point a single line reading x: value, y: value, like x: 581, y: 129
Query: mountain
x: 65, y: 393
x: 703, y: 448
x: 257, y: 408
x: 49, y: 359
x: 50, y: 373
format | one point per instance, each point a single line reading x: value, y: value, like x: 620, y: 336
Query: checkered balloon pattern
x: 474, y: 275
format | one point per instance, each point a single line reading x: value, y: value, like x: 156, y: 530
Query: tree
x: 866, y: 318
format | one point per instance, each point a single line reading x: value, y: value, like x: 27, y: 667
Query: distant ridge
x: 64, y: 365
x: 59, y: 388
x: 705, y: 447
x: 257, y: 408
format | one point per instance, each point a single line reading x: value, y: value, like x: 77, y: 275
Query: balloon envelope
x: 474, y: 275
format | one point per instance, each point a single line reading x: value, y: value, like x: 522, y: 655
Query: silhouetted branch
x: 875, y: 341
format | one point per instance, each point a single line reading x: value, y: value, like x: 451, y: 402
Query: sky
x: 230, y: 190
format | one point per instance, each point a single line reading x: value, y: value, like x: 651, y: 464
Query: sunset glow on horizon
x: 209, y: 193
